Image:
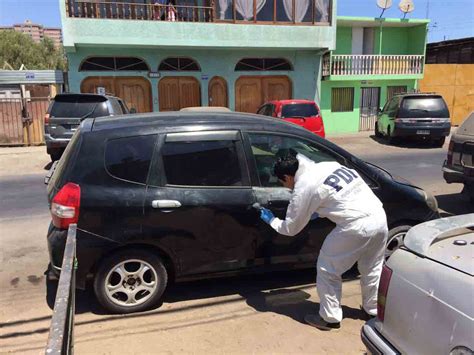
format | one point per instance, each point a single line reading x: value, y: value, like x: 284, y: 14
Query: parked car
x: 304, y: 113
x: 459, y: 167
x: 168, y: 196
x: 425, y: 303
x: 65, y: 113
x: 423, y: 116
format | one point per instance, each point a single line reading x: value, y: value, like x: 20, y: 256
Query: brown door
x: 218, y: 92
x: 135, y: 91
x: 253, y: 91
x: 176, y: 93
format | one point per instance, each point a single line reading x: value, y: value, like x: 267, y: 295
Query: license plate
x: 423, y: 132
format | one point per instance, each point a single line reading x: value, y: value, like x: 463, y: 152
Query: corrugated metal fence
x: 22, y: 121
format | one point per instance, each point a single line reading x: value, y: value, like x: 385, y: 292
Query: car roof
x: 418, y: 94
x: 205, y: 109
x: 290, y: 102
x: 90, y: 96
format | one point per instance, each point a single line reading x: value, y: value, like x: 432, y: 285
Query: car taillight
x: 383, y: 290
x: 46, y: 118
x: 450, y: 153
x: 65, y: 206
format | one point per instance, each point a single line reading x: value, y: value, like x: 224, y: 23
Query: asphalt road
x: 249, y: 314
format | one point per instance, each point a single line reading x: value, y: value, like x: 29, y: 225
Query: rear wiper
x: 89, y: 113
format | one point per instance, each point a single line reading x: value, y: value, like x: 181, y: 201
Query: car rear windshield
x: 79, y: 106
x: 299, y: 110
x: 424, y: 107
x: 74, y: 144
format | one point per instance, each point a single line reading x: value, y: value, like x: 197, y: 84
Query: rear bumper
x: 55, y: 143
x: 375, y: 342
x: 406, y: 130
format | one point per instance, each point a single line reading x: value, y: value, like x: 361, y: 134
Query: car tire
x: 55, y: 154
x: 469, y: 191
x: 395, y: 239
x: 390, y: 139
x: 439, y: 142
x: 378, y: 134
x: 130, y: 281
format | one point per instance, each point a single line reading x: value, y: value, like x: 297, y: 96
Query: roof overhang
x: 29, y: 77
x: 348, y: 21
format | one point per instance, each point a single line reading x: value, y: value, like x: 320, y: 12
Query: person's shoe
x: 367, y: 316
x: 316, y: 321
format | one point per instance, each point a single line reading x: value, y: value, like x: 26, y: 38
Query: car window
x: 202, y: 163
x: 393, y: 106
x: 129, y: 158
x: 116, y: 108
x: 267, y: 148
x: 299, y: 110
x: 270, y: 110
x: 124, y: 107
x: 424, y: 107
x: 77, y: 108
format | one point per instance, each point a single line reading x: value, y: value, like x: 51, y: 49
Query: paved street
x: 255, y: 314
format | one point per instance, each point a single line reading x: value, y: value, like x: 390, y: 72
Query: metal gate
x: 369, y: 105
x: 22, y: 120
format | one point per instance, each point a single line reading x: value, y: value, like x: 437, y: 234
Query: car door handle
x: 165, y: 204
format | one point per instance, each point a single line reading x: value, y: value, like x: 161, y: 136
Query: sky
x: 450, y: 19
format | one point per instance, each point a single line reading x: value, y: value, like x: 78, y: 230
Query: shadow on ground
x: 406, y: 143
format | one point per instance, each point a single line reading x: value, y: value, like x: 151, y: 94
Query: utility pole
x: 427, y: 9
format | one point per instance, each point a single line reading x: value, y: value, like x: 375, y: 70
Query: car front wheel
x: 378, y: 134
x: 396, y: 238
x: 130, y: 281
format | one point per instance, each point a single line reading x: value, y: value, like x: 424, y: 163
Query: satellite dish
x: 406, y: 6
x: 384, y: 5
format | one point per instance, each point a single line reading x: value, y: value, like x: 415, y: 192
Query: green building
x: 160, y: 55
x: 373, y: 60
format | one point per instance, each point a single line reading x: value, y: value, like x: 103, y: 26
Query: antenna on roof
x: 384, y: 5
x: 406, y: 6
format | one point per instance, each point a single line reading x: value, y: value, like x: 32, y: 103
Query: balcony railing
x: 373, y: 64
x: 312, y: 12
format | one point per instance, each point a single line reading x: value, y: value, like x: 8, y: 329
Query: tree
x: 17, y: 48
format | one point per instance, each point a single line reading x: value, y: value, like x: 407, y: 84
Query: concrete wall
x: 305, y: 77
x: 456, y: 83
x: 348, y: 122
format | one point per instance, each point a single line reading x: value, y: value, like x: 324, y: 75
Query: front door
x: 251, y: 92
x: 273, y: 248
x: 218, y: 92
x: 199, y: 203
x: 369, y: 106
x: 176, y: 93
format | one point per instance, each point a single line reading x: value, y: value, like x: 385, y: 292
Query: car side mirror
x: 133, y: 110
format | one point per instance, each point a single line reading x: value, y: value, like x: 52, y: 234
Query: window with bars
x: 263, y: 64
x: 114, y: 64
x: 179, y: 64
x: 342, y: 100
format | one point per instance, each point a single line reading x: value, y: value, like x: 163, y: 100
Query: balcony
x: 344, y: 66
x: 277, y: 12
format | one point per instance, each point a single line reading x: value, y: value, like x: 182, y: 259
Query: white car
x: 426, y: 293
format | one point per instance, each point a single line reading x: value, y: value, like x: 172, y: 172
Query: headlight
x: 461, y: 350
x: 429, y: 199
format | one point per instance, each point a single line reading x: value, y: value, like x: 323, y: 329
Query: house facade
x: 166, y: 55
x: 373, y: 60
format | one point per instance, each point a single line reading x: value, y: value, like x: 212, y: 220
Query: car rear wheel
x: 55, y: 154
x: 390, y: 138
x: 439, y: 142
x: 396, y: 238
x: 378, y: 134
x: 130, y: 281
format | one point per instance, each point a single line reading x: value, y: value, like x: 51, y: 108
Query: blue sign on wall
x: 30, y: 76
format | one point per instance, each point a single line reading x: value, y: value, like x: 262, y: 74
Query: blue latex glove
x: 314, y: 216
x: 266, y: 215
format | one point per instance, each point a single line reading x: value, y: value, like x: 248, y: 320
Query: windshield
x: 424, y: 107
x: 77, y: 108
x: 299, y: 110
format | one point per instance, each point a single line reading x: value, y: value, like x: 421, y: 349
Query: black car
x: 65, y: 113
x: 414, y: 115
x: 161, y: 197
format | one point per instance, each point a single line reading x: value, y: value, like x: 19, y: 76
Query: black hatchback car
x: 417, y: 115
x: 161, y: 197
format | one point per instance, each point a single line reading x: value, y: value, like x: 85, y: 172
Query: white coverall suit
x: 341, y: 195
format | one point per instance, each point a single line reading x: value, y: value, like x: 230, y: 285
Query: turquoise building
x: 165, y: 55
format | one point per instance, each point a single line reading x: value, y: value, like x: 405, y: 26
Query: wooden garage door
x: 135, y: 91
x: 253, y: 91
x: 176, y: 93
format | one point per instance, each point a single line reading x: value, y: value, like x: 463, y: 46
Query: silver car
x: 426, y: 293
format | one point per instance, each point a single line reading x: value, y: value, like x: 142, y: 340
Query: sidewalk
x: 23, y: 160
